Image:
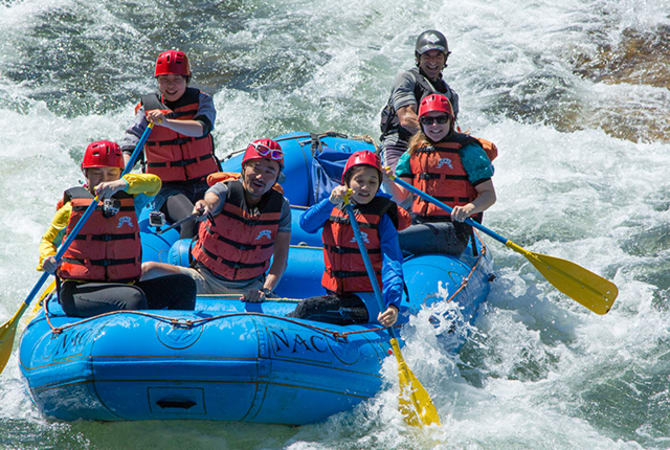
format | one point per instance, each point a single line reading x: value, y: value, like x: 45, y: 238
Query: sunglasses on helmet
x: 427, y: 120
x: 264, y: 150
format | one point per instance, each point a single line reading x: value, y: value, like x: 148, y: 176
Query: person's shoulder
x: 465, y: 140
x: 273, y: 196
x: 382, y: 203
x: 285, y: 202
x: 402, y: 167
x: 191, y: 95
x: 390, y: 209
x: 404, y: 76
x: 204, y: 94
x: 472, y: 146
x: 474, y: 156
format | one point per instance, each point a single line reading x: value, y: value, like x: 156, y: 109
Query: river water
x: 575, y: 93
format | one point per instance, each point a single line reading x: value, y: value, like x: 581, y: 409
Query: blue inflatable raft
x: 236, y: 361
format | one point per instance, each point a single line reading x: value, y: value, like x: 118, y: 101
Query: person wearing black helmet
x: 399, y: 119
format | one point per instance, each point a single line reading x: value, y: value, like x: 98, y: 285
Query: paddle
x: 177, y: 223
x: 416, y: 406
x: 210, y: 217
x: 590, y: 290
x: 38, y: 306
x: 8, y: 329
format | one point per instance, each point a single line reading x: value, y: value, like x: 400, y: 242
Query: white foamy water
x: 581, y: 175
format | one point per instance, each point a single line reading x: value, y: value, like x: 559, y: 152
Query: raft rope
x: 188, y: 323
x: 316, y: 139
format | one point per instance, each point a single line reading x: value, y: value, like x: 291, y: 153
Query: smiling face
x: 172, y: 87
x: 258, y: 177
x: 364, y: 180
x: 431, y: 126
x: 431, y: 63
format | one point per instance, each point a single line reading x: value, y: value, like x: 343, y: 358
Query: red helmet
x: 102, y: 154
x: 172, y: 62
x: 362, y: 158
x: 436, y: 102
x: 264, y: 149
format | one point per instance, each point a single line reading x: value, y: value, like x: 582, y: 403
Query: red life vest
x: 173, y: 156
x: 106, y: 248
x: 438, y: 171
x: 345, y: 271
x: 239, y: 244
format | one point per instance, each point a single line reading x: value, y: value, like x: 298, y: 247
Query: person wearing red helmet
x: 399, y: 120
x: 100, y: 270
x: 450, y: 166
x: 244, y: 224
x: 345, y: 273
x: 180, y: 149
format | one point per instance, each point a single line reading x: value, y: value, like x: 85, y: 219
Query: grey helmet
x: 431, y: 40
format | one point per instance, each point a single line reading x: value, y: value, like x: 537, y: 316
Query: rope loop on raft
x: 190, y: 323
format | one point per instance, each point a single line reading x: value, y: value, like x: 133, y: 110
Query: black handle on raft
x: 182, y: 404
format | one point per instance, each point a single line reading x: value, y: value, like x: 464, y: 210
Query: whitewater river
x: 575, y: 93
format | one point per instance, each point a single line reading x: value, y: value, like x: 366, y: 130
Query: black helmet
x: 431, y: 40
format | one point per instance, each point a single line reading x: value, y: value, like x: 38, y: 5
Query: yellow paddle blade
x: 8, y: 329
x: 7, y: 333
x: 416, y: 406
x: 591, y: 290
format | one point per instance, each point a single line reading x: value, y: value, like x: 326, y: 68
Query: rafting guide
x: 399, y: 120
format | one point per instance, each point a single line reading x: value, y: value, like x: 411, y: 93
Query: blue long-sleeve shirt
x: 392, y: 279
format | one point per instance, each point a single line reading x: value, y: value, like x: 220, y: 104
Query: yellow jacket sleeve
x: 142, y: 183
x: 57, y: 226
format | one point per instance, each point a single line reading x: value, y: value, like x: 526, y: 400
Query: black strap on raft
x: 474, y: 242
x: 404, y: 288
x: 315, y: 140
x: 58, y: 286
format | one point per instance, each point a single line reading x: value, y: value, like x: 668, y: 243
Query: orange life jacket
x: 106, y: 248
x: 489, y: 147
x: 438, y: 171
x: 173, y: 156
x: 345, y: 271
x: 239, y: 244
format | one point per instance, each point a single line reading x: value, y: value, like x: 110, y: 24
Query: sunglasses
x: 264, y: 150
x: 426, y: 120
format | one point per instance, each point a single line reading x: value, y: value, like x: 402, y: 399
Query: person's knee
x: 134, y: 299
x: 176, y: 291
x: 178, y: 206
x: 305, y: 308
x: 187, y: 290
x: 146, y: 270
